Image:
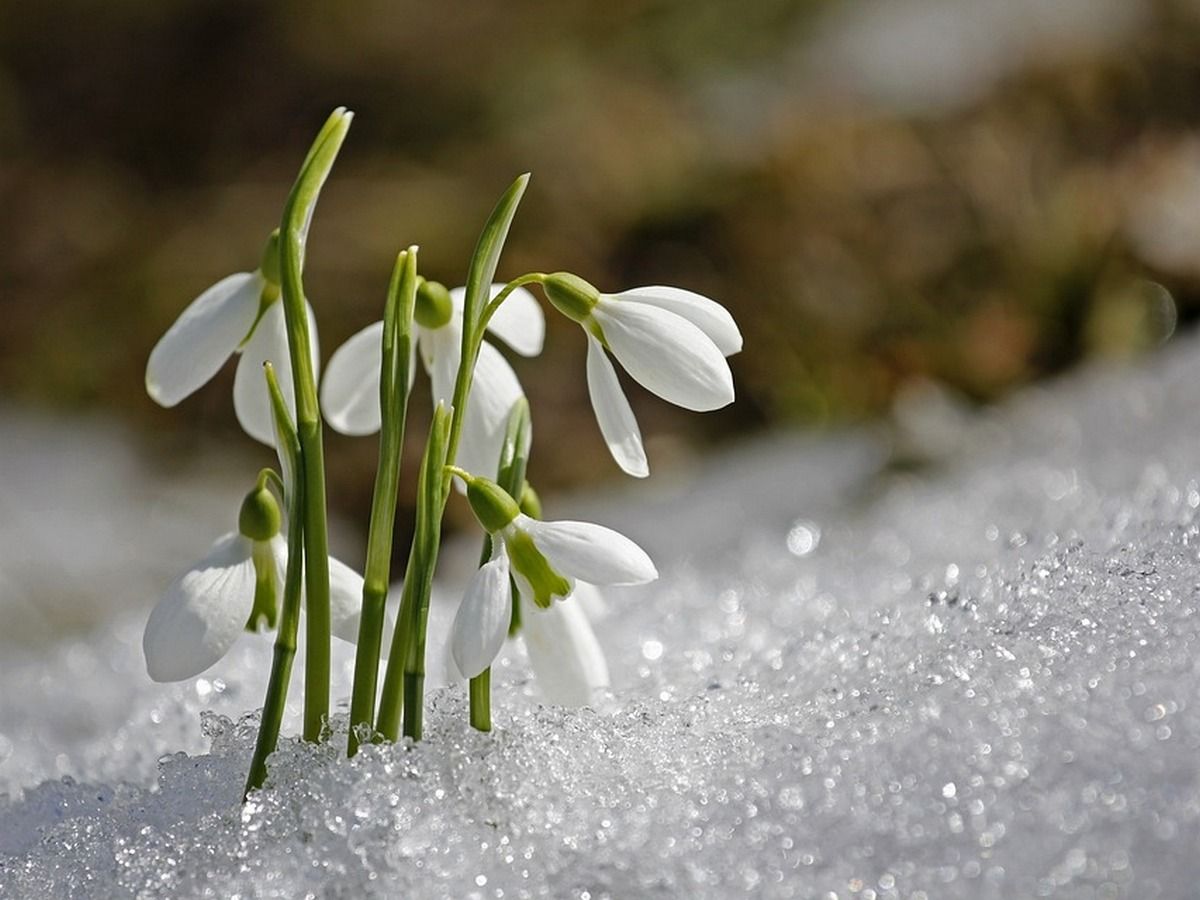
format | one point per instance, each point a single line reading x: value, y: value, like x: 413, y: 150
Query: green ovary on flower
x: 529, y: 561
x: 571, y: 295
x: 259, y: 518
x: 434, y: 306
x: 492, y: 505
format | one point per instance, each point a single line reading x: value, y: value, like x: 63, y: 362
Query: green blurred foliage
x: 146, y: 148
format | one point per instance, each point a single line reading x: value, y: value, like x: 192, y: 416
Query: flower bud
x: 259, y: 518
x: 492, y: 505
x: 434, y: 307
x: 571, y: 295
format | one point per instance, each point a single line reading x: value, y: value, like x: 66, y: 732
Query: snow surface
x: 974, y: 680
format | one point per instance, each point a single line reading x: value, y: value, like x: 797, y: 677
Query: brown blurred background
x: 977, y: 194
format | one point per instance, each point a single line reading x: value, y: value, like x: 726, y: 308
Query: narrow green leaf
x: 486, y: 258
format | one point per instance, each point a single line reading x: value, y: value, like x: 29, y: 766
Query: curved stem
x: 494, y: 304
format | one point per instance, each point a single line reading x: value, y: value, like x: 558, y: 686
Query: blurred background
x: 910, y: 206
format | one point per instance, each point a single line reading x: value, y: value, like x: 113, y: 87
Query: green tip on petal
x: 528, y: 560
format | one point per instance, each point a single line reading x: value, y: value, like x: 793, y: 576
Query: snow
x: 970, y: 680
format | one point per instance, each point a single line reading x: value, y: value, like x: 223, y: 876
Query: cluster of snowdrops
x: 671, y: 341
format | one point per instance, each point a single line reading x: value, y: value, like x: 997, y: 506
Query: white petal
x: 441, y: 349
x: 616, y: 420
x: 707, y: 315
x: 666, y: 354
x: 519, y: 321
x: 590, y: 552
x: 481, y: 623
x: 564, y: 653
x: 202, y: 612
x: 202, y: 338
x: 589, y: 597
x: 350, y: 388
x: 269, y: 342
x: 494, y: 390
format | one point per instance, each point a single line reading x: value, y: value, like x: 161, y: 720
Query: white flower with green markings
x: 543, y: 558
x: 673, y: 342
x: 350, y: 389
x: 234, y: 588
x: 239, y: 314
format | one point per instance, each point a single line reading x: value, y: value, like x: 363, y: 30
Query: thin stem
x: 297, y: 216
x: 510, y: 475
x: 407, y: 656
x: 490, y: 309
x: 289, y: 618
x: 481, y: 701
x: 393, y: 404
x: 436, y: 489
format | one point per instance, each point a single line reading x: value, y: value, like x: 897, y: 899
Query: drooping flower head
x: 234, y: 589
x: 239, y: 314
x: 543, y: 558
x: 350, y: 390
x: 673, y: 342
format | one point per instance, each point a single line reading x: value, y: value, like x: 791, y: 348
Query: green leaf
x: 486, y: 258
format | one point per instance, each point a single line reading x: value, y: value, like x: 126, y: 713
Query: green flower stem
x: 494, y: 304
x: 510, y: 475
x: 480, y: 694
x: 405, y: 674
x: 297, y: 215
x: 393, y: 405
x: 405, y: 689
x: 289, y: 618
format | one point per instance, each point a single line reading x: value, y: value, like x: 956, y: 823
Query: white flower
x: 673, y: 342
x: 229, y: 318
x: 350, y: 391
x: 543, y: 558
x: 208, y: 606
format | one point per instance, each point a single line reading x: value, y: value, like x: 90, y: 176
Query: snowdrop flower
x: 673, y: 342
x: 233, y: 589
x: 350, y: 391
x: 239, y: 314
x: 543, y: 558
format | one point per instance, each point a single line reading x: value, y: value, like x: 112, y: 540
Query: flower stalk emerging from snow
x: 671, y: 341
x: 395, y: 352
x: 404, y: 682
x: 301, y: 345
